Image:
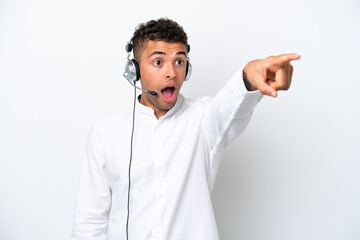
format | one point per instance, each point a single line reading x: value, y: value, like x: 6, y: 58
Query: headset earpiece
x: 188, y: 66
x: 188, y: 70
x: 137, y: 69
x: 132, y: 70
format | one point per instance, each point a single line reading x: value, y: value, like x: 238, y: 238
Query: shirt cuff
x: 240, y: 86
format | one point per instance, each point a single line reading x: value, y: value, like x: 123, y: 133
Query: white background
x: 293, y: 174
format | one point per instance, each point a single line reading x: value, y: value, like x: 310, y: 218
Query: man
x: 177, y: 145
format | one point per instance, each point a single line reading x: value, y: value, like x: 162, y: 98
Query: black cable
x: 131, y: 147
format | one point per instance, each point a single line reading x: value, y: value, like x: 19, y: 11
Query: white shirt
x: 175, y: 161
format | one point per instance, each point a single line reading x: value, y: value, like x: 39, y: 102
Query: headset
x: 132, y: 69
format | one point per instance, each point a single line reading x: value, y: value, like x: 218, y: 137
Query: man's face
x: 162, y: 70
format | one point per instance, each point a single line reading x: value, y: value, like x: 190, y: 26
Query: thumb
x: 265, y: 89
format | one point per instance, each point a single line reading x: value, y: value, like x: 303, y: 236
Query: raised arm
x: 229, y: 112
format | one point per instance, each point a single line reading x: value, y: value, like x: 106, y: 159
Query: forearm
x: 229, y: 112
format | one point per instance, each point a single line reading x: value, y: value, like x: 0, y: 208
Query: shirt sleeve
x: 227, y: 115
x: 94, y: 194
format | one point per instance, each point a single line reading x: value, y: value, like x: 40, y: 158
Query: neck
x: 158, y: 112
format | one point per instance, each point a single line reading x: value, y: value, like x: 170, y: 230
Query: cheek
x: 146, y: 73
x: 181, y: 71
x: 149, y: 78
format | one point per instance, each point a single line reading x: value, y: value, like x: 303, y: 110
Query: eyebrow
x: 163, y: 53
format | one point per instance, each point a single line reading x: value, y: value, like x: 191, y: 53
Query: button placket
x: 158, y: 160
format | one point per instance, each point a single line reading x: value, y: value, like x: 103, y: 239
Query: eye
x: 157, y: 62
x: 179, y: 62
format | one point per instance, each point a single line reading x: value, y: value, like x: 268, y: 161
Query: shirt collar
x: 149, y: 111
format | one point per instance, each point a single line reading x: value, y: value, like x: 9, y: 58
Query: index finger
x: 280, y: 60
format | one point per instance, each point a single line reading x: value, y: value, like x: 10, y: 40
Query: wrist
x: 247, y: 83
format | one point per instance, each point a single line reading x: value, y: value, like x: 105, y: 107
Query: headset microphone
x: 133, y: 83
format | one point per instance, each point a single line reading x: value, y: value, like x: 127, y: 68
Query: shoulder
x: 113, y: 122
x: 194, y: 107
x: 195, y: 103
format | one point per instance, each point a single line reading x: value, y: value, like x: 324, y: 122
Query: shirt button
x: 161, y: 189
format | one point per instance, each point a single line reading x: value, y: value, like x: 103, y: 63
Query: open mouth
x: 168, y: 93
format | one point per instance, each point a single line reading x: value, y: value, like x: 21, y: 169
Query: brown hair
x: 162, y: 29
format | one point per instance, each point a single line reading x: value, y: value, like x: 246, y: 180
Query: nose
x: 170, y: 71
